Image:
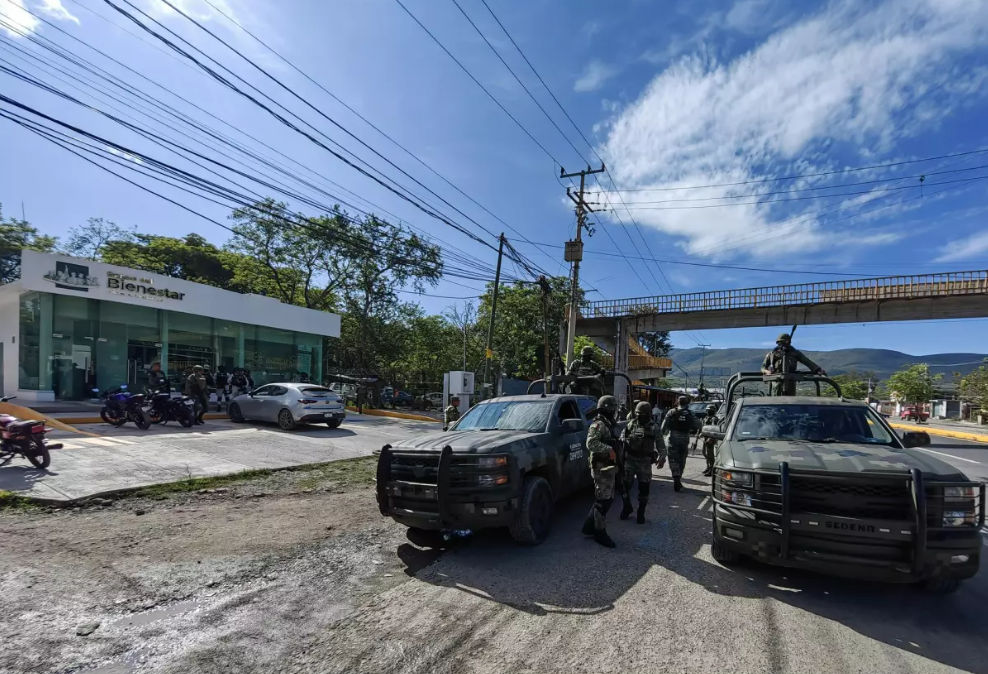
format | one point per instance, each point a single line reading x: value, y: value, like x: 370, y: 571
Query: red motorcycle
x: 24, y: 437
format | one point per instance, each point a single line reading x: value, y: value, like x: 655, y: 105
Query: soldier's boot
x: 588, y: 529
x: 600, y: 535
x: 677, y: 483
x: 628, y: 508
x: 643, y: 490
x: 710, y: 469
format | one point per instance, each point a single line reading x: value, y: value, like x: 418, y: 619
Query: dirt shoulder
x: 155, y: 574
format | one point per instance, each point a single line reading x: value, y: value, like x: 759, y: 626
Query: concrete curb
x: 958, y: 435
x: 396, y: 415
x: 97, y: 420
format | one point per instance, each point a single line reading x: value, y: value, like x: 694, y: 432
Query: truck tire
x: 531, y: 524
x: 941, y: 585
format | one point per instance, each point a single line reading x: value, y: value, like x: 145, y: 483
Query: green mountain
x: 883, y: 362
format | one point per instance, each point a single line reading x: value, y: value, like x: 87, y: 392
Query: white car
x: 289, y: 404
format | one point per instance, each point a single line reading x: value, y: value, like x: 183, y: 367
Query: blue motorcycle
x: 120, y: 406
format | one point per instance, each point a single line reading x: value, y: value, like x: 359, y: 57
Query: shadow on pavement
x: 20, y: 478
x: 571, y: 574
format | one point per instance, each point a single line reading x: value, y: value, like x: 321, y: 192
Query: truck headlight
x: 960, y: 497
x: 492, y: 461
x: 492, y: 480
x: 737, y: 477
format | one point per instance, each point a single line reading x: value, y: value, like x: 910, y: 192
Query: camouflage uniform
x: 678, y: 423
x: 584, y: 367
x: 450, y: 416
x: 784, y: 359
x: 709, y: 444
x: 601, y: 444
x: 643, y: 446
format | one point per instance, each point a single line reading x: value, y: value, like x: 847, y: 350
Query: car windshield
x: 318, y: 392
x: 507, y: 416
x: 813, y: 423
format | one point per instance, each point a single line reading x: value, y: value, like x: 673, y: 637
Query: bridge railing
x: 831, y: 292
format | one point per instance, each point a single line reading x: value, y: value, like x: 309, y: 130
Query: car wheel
x: 941, y: 585
x: 722, y: 554
x: 334, y: 423
x: 531, y: 524
x: 286, y: 421
x: 236, y: 416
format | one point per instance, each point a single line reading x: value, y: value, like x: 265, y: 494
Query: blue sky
x: 672, y: 95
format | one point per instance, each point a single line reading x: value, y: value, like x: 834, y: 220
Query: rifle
x: 695, y: 441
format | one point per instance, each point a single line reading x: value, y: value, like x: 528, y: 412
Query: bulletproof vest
x: 680, y: 421
x: 239, y: 380
x: 221, y: 378
x: 638, y: 436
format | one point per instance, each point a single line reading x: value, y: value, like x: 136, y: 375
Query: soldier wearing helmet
x: 585, y: 366
x: 643, y: 446
x: 784, y: 359
x: 709, y: 443
x: 679, y: 422
x: 602, y: 446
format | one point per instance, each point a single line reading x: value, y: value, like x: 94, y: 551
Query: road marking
x: 959, y: 458
x: 703, y: 503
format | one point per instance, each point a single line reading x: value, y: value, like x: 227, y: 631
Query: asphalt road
x: 970, y: 457
x: 364, y: 598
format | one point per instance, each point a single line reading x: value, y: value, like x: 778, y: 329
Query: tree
x: 191, y: 258
x: 974, y: 387
x: 16, y: 235
x: 518, y: 331
x: 308, y: 260
x: 913, y: 384
x: 853, y: 384
x: 88, y: 241
x: 465, y: 320
x: 656, y: 343
x: 582, y: 341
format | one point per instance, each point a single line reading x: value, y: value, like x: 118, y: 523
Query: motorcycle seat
x: 24, y: 425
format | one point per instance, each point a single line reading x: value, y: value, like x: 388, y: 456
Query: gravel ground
x: 297, y: 572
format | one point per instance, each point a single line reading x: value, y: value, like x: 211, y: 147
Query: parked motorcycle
x: 165, y: 408
x: 24, y: 437
x: 120, y: 406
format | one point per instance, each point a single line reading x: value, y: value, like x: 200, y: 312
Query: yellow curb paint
x: 27, y: 413
x: 97, y: 420
x: 958, y: 435
x: 396, y: 415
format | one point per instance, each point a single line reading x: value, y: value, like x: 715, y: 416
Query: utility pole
x: 703, y: 355
x: 546, y: 292
x: 488, y: 352
x: 574, y: 250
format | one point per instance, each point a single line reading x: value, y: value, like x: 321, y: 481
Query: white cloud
x: 14, y: 13
x: 852, y: 74
x: 964, y: 249
x: 197, y: 9
x: 751, y: 16
x: 56, y: 10
x: 596, y: 73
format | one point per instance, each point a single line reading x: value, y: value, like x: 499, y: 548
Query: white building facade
x: 71, y: 325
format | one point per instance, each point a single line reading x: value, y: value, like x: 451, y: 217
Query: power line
x: 810, y: 175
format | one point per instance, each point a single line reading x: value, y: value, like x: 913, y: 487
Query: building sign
x: 141, y: 288
x: 69, y: 276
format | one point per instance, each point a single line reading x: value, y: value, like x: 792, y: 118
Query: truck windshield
x: 507, y: 416
x: 813, y: 423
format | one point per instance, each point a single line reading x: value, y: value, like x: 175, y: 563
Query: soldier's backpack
x: 680, y: 420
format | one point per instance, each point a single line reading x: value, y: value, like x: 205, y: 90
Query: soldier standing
x: 196, y: 388
x: 709, y: 443
x: 643, y: 446
x: 586, y: 366
x: 678, y: 423
x: 601, y: 444
x: 452, y: 413
x: 784, y: 359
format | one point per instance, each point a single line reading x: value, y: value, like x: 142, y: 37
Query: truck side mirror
x: 572, y: 425
x: 713, y: 432
x: 916, y: 439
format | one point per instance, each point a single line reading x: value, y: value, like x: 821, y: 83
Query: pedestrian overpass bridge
x: 888, y: 298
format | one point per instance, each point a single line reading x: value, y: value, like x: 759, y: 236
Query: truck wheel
x: 531, y: 524
x: 941, y: 585
x: 722, y: 554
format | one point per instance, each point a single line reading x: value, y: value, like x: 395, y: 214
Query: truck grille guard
x: 771, y: 502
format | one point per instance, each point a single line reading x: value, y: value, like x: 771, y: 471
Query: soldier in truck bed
x: 784, y: 359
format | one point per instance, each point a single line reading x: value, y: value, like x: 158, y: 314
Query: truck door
x: 574, y: 466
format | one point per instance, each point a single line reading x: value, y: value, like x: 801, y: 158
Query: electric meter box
x: 460, y: 383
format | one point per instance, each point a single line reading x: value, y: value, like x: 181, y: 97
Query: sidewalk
x: 948, y: 429
x: 127, y: 458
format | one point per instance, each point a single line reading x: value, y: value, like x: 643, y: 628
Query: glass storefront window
x: 128, y: 342
x: 273, y: 356
x: 29, y: 353
x: 190, y: 343
x: 309, y: 355
x: 75, y: 330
